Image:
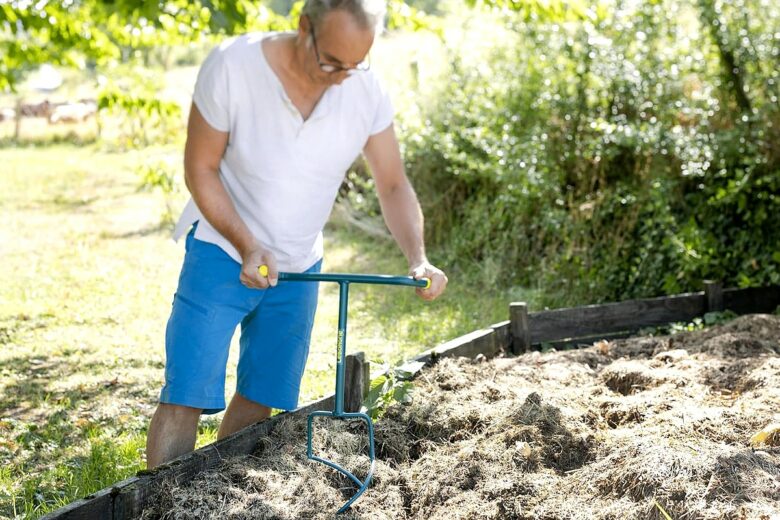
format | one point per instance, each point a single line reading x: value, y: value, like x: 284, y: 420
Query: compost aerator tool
x: 344, y: 280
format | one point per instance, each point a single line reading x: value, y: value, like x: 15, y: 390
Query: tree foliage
x: 100, y: 33
x: 103, y: 32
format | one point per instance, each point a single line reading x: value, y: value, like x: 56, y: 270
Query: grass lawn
x: 88, y: 274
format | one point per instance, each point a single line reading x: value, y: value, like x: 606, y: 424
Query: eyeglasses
x: 331, y: 68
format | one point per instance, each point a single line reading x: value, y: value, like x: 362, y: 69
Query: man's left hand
x: 434, y: 274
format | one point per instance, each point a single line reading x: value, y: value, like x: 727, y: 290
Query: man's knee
x: 177, y: 412
x: 250, y: 404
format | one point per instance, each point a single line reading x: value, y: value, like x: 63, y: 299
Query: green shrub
x: 607, y: 158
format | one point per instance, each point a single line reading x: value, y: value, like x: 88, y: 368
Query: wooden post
x: 521, y: 335
x: 356, y: 381
x: 714, y: 293
x: 503, y: 334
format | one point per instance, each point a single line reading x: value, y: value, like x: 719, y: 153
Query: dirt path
x: 621, y: 430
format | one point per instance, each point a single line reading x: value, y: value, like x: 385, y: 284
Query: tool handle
x: 382, y: 279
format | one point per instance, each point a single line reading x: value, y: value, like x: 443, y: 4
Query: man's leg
x: 241, y: 412
x: 209, y: 302
x: 274, y: 346
x: 172, y: 433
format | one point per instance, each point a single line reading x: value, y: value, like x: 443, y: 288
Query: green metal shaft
x: 354, y: 278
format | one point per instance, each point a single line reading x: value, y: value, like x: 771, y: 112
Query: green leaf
x: 408, y: 370
x: 402, y: 393
x: 375, y: 392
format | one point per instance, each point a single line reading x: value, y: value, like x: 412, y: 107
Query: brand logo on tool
x: 339, y: 343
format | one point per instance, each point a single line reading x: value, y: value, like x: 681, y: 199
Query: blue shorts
x: 209, y: 303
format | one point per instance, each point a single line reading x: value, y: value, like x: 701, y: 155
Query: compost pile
x: 641, y: 428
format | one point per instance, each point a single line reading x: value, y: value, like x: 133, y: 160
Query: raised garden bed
x: 658, y: 397
x: 637, y: 428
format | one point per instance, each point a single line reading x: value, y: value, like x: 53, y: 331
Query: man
x: 276, y: 121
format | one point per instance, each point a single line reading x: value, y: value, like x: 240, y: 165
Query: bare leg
x: 172, y: 432
x: 241, y: 413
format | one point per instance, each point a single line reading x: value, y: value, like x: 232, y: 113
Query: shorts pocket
x: 194, y: 306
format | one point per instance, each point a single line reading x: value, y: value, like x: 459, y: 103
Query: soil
x: 640, y: 428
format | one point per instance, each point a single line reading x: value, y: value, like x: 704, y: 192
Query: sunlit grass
x: 100, y: 459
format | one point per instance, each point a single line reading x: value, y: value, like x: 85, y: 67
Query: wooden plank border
x: 95, y: 506
x: 567, y: 325
x: 488, y: 342
x: 752, y: 300
x: 614, y: 317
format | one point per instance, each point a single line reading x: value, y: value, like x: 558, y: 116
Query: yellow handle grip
x: 427, y: 283
x: 263, y: 270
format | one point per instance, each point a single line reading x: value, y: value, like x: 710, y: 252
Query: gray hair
x: 369, y: 14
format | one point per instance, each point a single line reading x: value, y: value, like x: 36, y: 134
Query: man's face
x: 340, y: 43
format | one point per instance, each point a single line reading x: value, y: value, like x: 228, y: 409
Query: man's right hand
x: 253, y: 259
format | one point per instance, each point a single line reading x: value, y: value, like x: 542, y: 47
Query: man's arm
x: 400, y: 208
x: 202, y: 154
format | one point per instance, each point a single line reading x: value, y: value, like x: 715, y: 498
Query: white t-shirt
x: 282, y: 174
